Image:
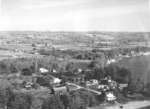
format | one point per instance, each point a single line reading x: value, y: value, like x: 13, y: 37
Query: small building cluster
x: 70, y: 82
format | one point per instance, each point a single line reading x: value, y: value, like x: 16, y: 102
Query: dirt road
x: 130, y: 105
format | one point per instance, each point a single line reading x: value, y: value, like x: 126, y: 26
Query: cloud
x: 76, y: 15
x: 52, y: 4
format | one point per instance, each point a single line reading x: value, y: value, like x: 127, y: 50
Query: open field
x: 28, y: 42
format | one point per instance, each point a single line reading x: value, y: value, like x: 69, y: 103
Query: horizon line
x: 74, y: 31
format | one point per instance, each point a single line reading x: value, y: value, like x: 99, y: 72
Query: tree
x: 53, y: 102
x: 77, y: 102
x: 120, y: 74
x: 123, y: 75
x: 98, y: 73
x: 88, y: 97
x: 70, y: 68
x: 98, y: 62
x: 20, y: 101
x: 5, y: 93
x: 26, y: 72
x: 33, y: 45
x: 65, y: 98
x: 43, y: 81
x: 3, y: 67
x: 13, y: 69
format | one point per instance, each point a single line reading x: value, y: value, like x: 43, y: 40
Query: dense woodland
x: 12, y: 99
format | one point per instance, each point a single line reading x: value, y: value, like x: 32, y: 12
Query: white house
x: 43, y: 70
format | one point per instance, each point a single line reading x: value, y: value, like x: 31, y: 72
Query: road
x: 130, y: 105
x: 80, y: 87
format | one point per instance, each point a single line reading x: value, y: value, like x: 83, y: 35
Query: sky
x: 75, y: 15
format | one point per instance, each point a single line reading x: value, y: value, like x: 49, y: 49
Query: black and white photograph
x: 74, y: 54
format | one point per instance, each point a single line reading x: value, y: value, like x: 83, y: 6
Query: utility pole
x: 93, y: 41
x: 36, y: 63
x: 53, y: 53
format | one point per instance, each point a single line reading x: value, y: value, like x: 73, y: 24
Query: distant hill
x: 76, y: 40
